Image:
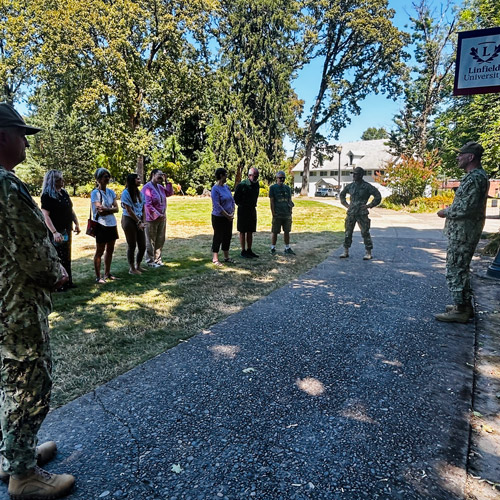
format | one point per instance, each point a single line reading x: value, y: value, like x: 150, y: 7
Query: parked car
x: 327, y: 192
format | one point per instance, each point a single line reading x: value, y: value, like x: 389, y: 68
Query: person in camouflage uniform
x: 357, y: 210
x: 463, y: 227
x: 29, y: 268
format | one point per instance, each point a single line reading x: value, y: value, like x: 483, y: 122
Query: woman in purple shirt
x: 155, y: 197
x: 222, y: 217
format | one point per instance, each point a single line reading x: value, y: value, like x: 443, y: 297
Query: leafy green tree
x: 428, y: 84
x: 65, y: 143
x: 17, y: 49
x: 256, y: 104
x: 131, y: 66
x: 473, y: 117
x: 361, y: 53
x: 372, y: 133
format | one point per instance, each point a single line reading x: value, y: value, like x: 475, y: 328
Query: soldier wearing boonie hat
x: 463, y: 227
x: 30, y: 269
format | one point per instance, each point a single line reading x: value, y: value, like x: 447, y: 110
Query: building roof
x: 366, y: 154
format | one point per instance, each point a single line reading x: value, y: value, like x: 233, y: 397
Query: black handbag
x: 91, y: 223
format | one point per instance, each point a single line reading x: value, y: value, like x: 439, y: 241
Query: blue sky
x: 376, y: 110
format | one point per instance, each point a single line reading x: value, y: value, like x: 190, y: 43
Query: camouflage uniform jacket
x: 360, y: 193
x: 29, y: 265
x: 469, y: 205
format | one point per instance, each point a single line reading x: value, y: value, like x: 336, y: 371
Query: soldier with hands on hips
x: 357, y: 210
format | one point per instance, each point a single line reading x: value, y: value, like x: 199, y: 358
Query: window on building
x: 313, y: 174
x: 323, y: 174
x: 332, y: 173
x: 345, y: 173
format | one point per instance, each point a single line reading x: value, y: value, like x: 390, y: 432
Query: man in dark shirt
x: 246, y: 196
x: 357, y: 210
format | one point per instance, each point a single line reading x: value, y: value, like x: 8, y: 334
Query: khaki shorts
x: 281, y: 222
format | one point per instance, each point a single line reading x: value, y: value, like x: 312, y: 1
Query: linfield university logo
x: 478, y: 62
x: 485, y: 52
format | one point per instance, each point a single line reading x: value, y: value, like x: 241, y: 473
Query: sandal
x: 110, y: 277
x: 229, y: 260
x: 100, y: 281
x: 216, y: 263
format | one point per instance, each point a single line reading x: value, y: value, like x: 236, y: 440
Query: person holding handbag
x: 104, y: 206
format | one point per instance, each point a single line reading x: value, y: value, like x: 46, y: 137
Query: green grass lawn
x: 101, y: 331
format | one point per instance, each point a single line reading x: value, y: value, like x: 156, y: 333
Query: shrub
x: 191, y: 191
x: 409, y: 177
x: 85, y: 190
x: 420, y: 204
x: 264, y: 189
x: 434, y: 203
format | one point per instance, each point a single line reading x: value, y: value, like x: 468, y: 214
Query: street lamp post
x: 339, y: 150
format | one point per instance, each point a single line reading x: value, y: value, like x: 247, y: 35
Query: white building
x: 372, y: 156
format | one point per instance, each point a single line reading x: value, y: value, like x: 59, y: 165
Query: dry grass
x: 99, y: 332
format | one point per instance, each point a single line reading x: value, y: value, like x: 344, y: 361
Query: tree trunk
x: 140, y: 167
x: 304, y: 191
x: 239, y: 172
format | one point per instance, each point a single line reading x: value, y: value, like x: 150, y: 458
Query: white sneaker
x: 153, y: 264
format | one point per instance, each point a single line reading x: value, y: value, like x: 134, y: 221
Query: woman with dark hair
x: 133, y: 223
x: 222, y: 217
x: 104, y: 207
x: 59, y: 215
x: 155, y: 194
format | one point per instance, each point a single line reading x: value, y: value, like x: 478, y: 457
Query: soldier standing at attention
x: 357, y: 210
x: 463, y: 227
x: 29, y: 269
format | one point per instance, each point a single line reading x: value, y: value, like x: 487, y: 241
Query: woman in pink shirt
x: 155, y: 197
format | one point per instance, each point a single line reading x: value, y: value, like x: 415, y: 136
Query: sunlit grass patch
x: 101, y: 331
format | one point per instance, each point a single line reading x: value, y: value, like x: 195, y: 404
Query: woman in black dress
x: 57, y: 209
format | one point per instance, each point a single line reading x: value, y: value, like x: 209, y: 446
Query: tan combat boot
x: 345, y: 255
x: 458, y: 314
x: 39, y: 484
x: 368, y: 255
x: 468, y: 307
x: 44, y: 454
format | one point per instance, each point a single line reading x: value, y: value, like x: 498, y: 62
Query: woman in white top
x: 104, y: 207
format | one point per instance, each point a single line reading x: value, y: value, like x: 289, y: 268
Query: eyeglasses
x: 281, y: 178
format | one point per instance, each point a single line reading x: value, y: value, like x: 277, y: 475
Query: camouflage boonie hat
x: 472, y: 147
x: 9, y: 117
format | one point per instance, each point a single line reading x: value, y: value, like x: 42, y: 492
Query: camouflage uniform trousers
x: 25, y: 383
x: 458, y: 259
x: 364, y: 225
